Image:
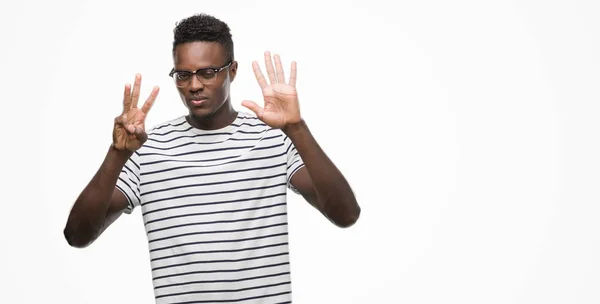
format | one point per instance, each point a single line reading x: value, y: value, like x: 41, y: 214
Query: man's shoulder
x: 249, y: 123
x: 245, y: 123
x: 168, y: 126
x: 249, y: 118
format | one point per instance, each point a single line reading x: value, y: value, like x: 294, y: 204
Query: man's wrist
x: 295, y: 128
x: 119, y: 153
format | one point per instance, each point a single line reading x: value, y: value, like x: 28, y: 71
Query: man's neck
x: 223, y: 117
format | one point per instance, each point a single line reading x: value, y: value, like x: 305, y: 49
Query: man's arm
x: 99, y: 204
x: 319, y: 181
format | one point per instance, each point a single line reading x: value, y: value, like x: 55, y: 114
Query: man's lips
x: 197, y: 101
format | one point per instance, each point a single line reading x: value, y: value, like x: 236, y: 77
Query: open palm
x: 281, y: 106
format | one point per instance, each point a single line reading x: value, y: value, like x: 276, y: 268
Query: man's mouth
x: 198, y: 101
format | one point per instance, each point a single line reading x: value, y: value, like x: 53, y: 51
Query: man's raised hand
x: 281, y: 106
x: 129, y: 132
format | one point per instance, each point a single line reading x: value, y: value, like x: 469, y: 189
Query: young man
x: 212, y: 184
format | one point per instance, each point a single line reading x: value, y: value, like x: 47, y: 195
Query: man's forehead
x: 199, y: 53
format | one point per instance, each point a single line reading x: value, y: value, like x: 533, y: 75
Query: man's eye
x: 206, y: 74
x: 183, y: 76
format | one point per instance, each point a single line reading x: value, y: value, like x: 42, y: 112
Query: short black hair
x: 205, y: 28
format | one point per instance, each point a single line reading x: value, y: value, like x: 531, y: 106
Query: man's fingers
x: 262, y: 82
x: 150, y: 101
x: 121, y: 121
x: 270, y: 69
x: 293, y: 74
x: 130, y: 129
x: 140, y: 134
x: 135, y: 95
x: 253, y: 107
x: 279, y: 70
x: 127, y: 98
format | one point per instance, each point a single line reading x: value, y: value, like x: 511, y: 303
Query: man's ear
x: 233, y: 70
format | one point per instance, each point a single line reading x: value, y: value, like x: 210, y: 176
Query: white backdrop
x: 469, y: 131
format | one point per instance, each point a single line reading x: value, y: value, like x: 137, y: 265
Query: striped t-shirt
x: 214, y: 207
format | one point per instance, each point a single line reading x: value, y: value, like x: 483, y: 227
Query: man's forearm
x: 333, y: 191
x: 89, y: 212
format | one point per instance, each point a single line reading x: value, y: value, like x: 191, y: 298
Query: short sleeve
x: 129, y: 182
x: 294, y: 162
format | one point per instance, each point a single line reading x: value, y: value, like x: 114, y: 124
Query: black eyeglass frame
x: 195, y: 73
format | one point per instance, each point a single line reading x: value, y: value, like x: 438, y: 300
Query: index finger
x: 150, y: 101
x: 135, y: 96
x: 127, y: 98
x: 269, y: 67
x: 259, y: 75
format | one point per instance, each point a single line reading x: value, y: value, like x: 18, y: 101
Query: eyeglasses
x: 206, y: 76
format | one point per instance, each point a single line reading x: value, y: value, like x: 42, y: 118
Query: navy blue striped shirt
x: 214, y: 206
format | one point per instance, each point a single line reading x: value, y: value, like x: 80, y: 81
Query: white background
x: 468, y: 130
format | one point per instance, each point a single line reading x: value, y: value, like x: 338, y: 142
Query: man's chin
x: 201, y: 113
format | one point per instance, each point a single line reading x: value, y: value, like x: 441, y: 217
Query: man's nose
x: 195, y: 83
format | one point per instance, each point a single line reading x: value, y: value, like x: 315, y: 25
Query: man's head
x: 203, y: 43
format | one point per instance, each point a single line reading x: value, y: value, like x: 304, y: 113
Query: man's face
x: 203, y: 100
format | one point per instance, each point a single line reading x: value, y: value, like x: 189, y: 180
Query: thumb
x: 140, y: 134
x: 253, y: 107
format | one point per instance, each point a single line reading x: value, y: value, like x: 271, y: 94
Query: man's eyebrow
x: 205, y: 68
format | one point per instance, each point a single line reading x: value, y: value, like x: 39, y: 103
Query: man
x: 212, y: 184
